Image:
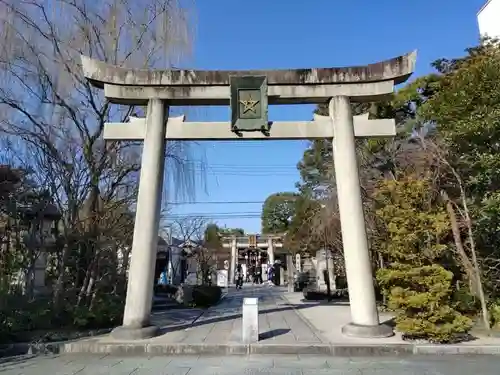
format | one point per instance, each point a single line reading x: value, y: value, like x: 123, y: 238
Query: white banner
x: 222, y: 279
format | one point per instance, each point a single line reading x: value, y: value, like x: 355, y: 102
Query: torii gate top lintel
x: 397, y: 69
x: 361, y: 83
x: 259, y: 241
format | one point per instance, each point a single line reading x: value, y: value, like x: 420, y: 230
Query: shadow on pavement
x: 273, y: 333
x: 200, y: 321
x: 7, y: 362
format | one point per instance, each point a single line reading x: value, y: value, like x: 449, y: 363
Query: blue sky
x: 274, y: 34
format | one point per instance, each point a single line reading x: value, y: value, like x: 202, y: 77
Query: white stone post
x: 250, y: 320
x: 136, y: 324
x: 298, y: 262
x: 234, y: 255
x: 289, y: 270
x: 331, y: 270
x: 364, y: 314
x: 270, y: 250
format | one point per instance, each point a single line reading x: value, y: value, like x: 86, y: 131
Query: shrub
x: 106, y: 313
x: 420, y: 296
x: 414, y: 232
x: 495, y: 314
x: 165, y: 289
x: 19, y: 314
x: 465, y: 302
x: 22, y: 319
x: 313, y: 295
x: 206, y: 295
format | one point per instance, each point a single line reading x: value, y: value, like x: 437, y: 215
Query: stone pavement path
x: 231, y: 365
x: 278, y: 321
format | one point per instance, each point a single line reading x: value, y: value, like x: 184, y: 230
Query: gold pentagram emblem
x: 250, y: 105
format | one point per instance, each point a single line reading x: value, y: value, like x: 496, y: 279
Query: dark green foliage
x: 313, y: 295
x: 315, y: 168
x: 212, y: 236
x: 108, y: 313
x: 206, y: 295
x: 300, y: 235
x: 466, y: 108
x: 165, y: 289
x: 277, y: 212
x: 465, y: 302
x: 23, y: 319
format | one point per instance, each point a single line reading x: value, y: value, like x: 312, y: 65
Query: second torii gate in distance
x: 264, y: 242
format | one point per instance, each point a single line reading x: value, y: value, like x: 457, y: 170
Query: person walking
x: 259, y: 275
x: 239, y: 277
x: 270, y: 271
x: 163, y: 278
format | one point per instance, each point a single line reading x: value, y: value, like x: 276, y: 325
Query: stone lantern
x: 42, y: 219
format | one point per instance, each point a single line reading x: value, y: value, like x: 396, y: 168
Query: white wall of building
x: 488, y: 19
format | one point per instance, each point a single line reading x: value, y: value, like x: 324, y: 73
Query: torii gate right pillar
x: 364, y: 313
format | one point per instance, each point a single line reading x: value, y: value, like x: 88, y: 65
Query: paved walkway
x: 279, y: 365
x: 279, y: 323
x: 328, y: 318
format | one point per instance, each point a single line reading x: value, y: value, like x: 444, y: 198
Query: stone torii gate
x: 249, y: 93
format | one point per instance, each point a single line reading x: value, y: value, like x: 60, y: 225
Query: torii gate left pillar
x: 337, y: 86
x: 139, y: 299
x: 234, y: 255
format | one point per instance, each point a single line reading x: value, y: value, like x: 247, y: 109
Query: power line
x: 224, y: 165
x: 237, y: 166
x: 216, y: 213
x: 217, y: 202
x: 243, y: 168
x: 227, y: 215
x: 212, y: 217
x: 243, y: 174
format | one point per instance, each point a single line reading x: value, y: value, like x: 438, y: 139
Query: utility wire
x: 215, y: 202
x: 176, y: 217
x: 216, y: 213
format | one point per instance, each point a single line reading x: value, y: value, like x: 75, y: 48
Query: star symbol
x: 249, y: 105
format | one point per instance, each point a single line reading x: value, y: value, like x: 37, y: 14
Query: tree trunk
x: 457, y: 238
x: 381, y: 265
x: 472, y: 269
x: 470, y: 233
x: 61, y: 277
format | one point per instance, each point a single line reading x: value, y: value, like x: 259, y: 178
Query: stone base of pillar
x: 128, y: 333
x: 357, y: 330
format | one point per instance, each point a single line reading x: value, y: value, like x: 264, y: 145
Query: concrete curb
x: 337, y: 350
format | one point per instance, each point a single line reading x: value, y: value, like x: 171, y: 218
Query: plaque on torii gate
x: 252, y: 241
x: 248, y: 102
